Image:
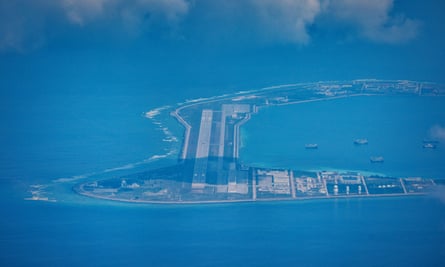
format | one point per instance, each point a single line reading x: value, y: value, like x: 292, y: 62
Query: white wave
x: 155, y: 157
x: 152, y: 113
x: 155, y: 112
x: 124, y: 167
x: 166, y: 131
x: 169, y: 136
x: 160, y: 156
x: 38, y: 193
x: 172, y: 152
x: 119, y: 168
x: 138, y: 163
x: 243, y: 92
x: 244, y: 97
x: 73, y: 178
x: 201, y: 99
x: 170, y: 139
x: 36, y: 198
x: 196, y: 100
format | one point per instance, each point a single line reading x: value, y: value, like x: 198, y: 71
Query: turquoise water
x: 394, y: 126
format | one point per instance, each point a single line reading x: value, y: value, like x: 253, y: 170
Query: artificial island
x: 208, y: 168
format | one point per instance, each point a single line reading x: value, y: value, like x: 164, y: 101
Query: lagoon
x: 394, y: 125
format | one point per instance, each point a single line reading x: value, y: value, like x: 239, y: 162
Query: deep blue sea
x: 103, y: 134
x: 72, y: 105
x: 343, y: 232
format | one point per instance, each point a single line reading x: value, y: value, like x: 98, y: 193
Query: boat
x: 378, y: 159
x: 311, y: 146
x: 429, y: 145
x: 361, y: 141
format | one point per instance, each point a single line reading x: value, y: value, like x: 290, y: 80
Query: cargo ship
x: 379, y: 159
x: 361, y: 141
x: 311, y: 146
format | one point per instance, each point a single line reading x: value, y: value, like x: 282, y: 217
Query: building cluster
x: 273, y: 181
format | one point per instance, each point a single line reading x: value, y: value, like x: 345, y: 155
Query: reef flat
x: 209, y: 170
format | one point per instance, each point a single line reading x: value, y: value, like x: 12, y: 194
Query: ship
x: 361, y: 141
x: 429, y: 145
x: 311, y: 146
x: 378, y: 159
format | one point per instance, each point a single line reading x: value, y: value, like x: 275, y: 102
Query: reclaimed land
x: 208, y: 169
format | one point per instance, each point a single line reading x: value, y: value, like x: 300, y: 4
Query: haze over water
x: 76, y: 78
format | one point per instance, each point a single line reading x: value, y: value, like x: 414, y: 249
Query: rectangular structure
x: 202, y: 149
x: 205, y: 130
